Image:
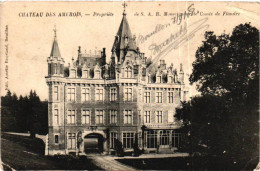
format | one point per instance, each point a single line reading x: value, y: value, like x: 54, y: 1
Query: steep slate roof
x: 123, y: 31
x: 55, y: 52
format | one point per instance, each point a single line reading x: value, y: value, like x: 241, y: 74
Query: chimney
x: 104, y: 56
x: 79, y: 53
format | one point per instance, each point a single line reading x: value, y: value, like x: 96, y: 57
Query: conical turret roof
x: 55, y: 52
x: 124, y: 37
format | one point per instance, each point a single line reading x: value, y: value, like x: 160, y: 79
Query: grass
x: 184, y: 163
x: 24, y: 153
x: 173, y: 163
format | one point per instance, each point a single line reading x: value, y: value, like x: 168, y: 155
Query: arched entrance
x: 93, y: 143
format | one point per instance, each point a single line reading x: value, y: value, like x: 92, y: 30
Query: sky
x: 30, y: 38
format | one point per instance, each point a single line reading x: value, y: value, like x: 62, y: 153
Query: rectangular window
x: 85, y: 94
x: 158, y: 97
x: 164, y: 137
x: 147, y: 116
x: 99, y: 116
x: 99, y: 94
x: 56, y: 137
x: 170, y: 97
x: 113, y: 116
x: 85, y: 116
x: 56, y: 93
x: 128, y: 116
x: 56, y: 117
x: 71, y: 141
x: 128, y: 140
x: 71, y: 94
x: 113, y: 139
x: 128, y: 73
x: 128, y: 94
x: 151, y: 139
x: 71, y: 116
x: 113, y: 94
x: 147, y: 97
x: 159, y: 116
x: 176, y: 138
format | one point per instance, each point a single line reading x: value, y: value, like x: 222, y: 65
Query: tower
x: 124, y: 40
x: 55, y: 61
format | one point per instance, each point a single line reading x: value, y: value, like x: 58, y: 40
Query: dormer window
x: 85, y: 74
x: 126, y: 40
x: 159, y: 79
x: 73, y: 73
x: 128, y: 72
x: 170, y: 79
x: 97, y: 74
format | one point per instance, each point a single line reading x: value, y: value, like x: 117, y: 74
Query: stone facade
x: 128, y: 100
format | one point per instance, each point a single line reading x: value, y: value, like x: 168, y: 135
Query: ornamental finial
x: 55, y: 31
x: 124, y: 5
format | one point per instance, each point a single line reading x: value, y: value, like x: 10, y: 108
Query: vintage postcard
x: 129, y: 85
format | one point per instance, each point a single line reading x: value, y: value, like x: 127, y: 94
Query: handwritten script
x: 175, y: 40
x: 177, y: 19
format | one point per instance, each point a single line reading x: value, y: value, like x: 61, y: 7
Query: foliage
x: 25, y: 114
x: 227, y: 64
x: 223, y: 121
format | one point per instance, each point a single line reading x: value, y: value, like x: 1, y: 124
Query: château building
x: 94, y: 103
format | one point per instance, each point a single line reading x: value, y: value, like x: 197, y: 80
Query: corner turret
x: 55, y: 61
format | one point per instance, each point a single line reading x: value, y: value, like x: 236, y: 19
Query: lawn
x: 24, y: 153
x: 173, y: 163
x: 184, y: 163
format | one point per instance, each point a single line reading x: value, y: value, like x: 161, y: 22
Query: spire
x: 55, y: 52
x: 124, y: 38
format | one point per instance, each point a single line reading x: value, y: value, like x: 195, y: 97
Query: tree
x: 227, y: 64
x: 24, y: 114
x: 223, y: 121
